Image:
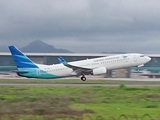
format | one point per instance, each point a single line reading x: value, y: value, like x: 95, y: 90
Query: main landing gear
x: 83, y: 78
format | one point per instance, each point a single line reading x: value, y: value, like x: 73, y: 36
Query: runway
x: 129, y: 82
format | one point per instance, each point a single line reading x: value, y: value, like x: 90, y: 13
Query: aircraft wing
x: 77, y: 69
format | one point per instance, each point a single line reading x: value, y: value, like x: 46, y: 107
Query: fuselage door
x: 38, y: 72
x: 125, y: 57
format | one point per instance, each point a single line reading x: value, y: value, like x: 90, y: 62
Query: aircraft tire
x: 83, y: 78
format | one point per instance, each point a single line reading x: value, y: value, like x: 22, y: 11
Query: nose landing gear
x: 138, y: 70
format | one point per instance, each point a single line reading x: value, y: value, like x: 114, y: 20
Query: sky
x: 83, y: 26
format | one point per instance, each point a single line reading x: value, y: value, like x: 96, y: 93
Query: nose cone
x: 148, y: 58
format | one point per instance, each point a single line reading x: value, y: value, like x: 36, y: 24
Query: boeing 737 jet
x: 96, y: 66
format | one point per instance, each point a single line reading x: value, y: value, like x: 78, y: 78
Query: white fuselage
x: 110, y: 62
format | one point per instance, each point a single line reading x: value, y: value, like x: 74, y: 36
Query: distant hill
x: 39, y: 46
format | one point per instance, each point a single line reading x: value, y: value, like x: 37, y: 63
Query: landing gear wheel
x: 83, y: 78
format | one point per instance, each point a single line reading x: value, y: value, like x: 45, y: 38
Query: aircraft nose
x: 148, y: 58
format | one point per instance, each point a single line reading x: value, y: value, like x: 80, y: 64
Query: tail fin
x: 21, y: 60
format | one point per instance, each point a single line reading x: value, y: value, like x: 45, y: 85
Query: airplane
x: 95, y: 66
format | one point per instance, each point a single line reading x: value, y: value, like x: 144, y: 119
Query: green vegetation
x: 49, y: 103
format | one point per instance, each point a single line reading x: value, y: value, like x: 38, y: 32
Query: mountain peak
x: 38, y: 42
x: 42, y: 47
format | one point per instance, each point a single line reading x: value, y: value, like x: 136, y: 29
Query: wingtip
x: 61, y: 60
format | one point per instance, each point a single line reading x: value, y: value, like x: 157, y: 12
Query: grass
x: 48, y: 103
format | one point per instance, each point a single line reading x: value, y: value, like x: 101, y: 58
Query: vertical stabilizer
x: 21, y: 60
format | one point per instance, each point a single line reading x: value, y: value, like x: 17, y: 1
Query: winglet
x: 61, y: 60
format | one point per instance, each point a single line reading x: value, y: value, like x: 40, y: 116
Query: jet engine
x: 100, y: 70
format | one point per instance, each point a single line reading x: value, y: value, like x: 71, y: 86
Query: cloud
x: 83, y: 25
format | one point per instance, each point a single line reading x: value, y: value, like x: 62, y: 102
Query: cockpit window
x: 141, y: 55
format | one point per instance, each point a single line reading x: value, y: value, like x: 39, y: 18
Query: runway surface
x: 84, y: 83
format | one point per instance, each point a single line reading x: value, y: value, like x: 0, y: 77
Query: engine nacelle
x: 100, y: 70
